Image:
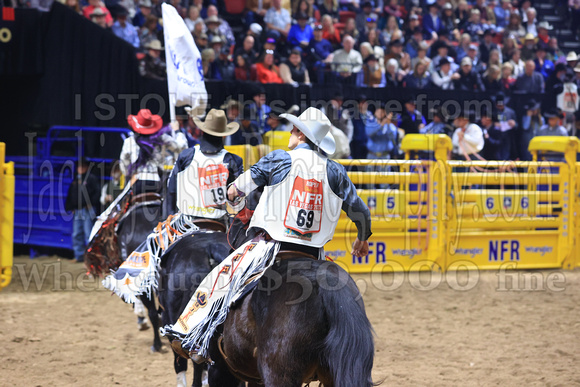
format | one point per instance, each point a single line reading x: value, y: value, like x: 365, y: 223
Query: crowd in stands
x: 495, y: 46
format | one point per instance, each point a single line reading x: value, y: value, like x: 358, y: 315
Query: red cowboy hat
x: 145, y: 122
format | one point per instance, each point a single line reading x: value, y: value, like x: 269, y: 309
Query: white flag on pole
x: 184, y: 70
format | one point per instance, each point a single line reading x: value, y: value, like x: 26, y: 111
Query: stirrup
x: 176, y: 346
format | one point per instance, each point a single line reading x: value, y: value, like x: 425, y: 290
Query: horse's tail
x: 348, y: 350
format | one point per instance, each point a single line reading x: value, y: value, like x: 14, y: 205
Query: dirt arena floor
x: 60, y: 328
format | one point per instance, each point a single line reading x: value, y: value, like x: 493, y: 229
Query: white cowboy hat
x: 315, y: 126
x: 571, y: 57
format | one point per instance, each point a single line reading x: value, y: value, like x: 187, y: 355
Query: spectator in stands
x: 372, y: 75
x: 414, y: 43
x: 209, y: 65
x: 507, y: 120
x: 462, y: 14
x: 510, y: 45
x: 396, y: 52
x: 82, y: 199
x: 304, y: 7
x: 502, y: 14
x: 422, y: 57
x: 448, y: 20
x: 376, y: 46
x: 477, y: 65
x: 410, y: 27
x: 467, y: 139
x: 391, y: 27
x: 438, y: 125
x: 507, y: 79
x: 463, y: 47
x: 339, y: 116
x: 193, y: 18
x: 442, y: 78
x: 260, y: 110
x: 382, y: 138
x: 432, y: 23
x: 216, y: 45
x: 442, y: 53
x: 125, y: 30
x: 392, y: 75
x: 256, y: 10
x: 531, y: 21
x: 278, y: 19
x: 554, y: 85
x: 532, y: 121
x: 320, y: 52
x: 481, y: 6
x: 99, y: 17
x: 266, y: 70
x: 411, y: 120
x: 517, y: 63
x: 224, y: 28
x: 244, y: 70
x: 362, y: 122
x: 475, y: 27
x: 347, y: 61
x: 568, y: 101
x: 301, y: 33
x: 366, y: 13
x: 530, y: 81
x: 494, y: 60
x: 418, y: 78
x: 543, y: 65
x: 152, y: 65
x: 492, y: 136
x: 349, y: 29
x: 330, y: 33
x: 555, y: 54
x: 248, y: 50
x: 249, y: 133
x: 201, y: 41
x: 487, y: 45
x: 528, y: 50
x: 293, y: 71
x: 523, y: 11
x: 330, y: 8
x: 395, y: 9
x: 468, y: 80
x: 93, y: 4
x: 515, y: 27
x: 213, y: 30
x: 553, y: 127
x: 543, y: 37
x: 148, y: 32
x: 225, y: 66
x: 142, y: 13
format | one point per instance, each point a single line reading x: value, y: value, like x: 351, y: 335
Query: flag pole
x: 172, y: 117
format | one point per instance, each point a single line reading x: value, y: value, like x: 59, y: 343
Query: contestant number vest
x: 302, y: 208
x: 202, y: 186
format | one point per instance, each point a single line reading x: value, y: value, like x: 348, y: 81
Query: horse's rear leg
x: 154, y: 319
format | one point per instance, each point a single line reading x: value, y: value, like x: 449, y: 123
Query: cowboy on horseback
x: 303, y: 190
x: 196, y: 198
x: 298, y: 210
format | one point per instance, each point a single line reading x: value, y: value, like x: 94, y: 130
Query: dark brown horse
x: 303, y: 321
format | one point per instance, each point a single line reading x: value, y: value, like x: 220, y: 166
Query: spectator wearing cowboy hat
x: 572, y: 60
x: 223, y: 27
x: 213, y: 31
x: 532, y: 121
x: 301, y: 33
x: 152, y: 65
x: 432, y: 24
x: 543, y: 65
x: 150, y: 147
x: 529, y: 47
x: 93, y: 5
x: 442, y: 78
x: 373, y: 76
x: 543, y: 37
x: 552, y: 127
x: 214, y: 130
x: 492, y: 135
x: 125, y: 30
x: 438, y: 125
x: 467, y: 139
x: 99, y: 17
